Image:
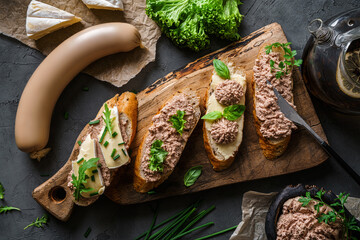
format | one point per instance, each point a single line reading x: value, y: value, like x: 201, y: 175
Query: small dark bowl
x: 288, y: 192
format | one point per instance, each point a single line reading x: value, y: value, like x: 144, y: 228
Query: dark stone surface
x: 20, y: 175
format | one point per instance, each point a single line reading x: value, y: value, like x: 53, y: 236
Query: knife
x: 291, y: 114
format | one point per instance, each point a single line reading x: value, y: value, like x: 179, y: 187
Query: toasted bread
x: 272, y: 148
x: 127, y: 108
x: 221, y: 156
x: 141, y: 183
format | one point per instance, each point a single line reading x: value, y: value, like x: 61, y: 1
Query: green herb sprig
x: 157, y: 156
x: 2, y: 191
x: 285, y: 66
x: 221, y: 69
x: 333, y: 215
x: 79, y: 181
x: 192, y: 175
x: 178, y: 121
x: 39, y: 222
x: 107, y: 119
x: 231, y: 113
x: 5, y: 209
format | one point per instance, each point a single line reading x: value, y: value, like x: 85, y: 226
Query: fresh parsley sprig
x: 221, y: 69
x: 79, y: 181
x: 39, y: 222
x: 333, y: 215
x: 178, y: 121
x: 2, y: 191
x: 231, y: 113
x: 283, y: 67
x: 5, y: 209
x: 157, y: 156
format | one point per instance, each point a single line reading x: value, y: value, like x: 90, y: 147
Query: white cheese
x: 88, y: 151
x: 113, y: 143
x: 104, y: 4
x: 226, y: 150
x: 42, y: 19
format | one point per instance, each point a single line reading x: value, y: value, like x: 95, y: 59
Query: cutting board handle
x: 54, y: 194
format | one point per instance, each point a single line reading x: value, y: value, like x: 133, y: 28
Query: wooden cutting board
x: 302, y: 153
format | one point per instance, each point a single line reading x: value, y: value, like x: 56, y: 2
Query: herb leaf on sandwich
x: 231, y: 113
x: 157, y: 156
x: 178, y: 121
x: 221, y: 69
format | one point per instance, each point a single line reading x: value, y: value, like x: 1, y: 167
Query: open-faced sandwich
x: 102, y: 148
x: 224, y: 119
x: 274, y: 64
x: 165, y: 140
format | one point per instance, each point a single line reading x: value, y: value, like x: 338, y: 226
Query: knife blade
x: 292, y: 115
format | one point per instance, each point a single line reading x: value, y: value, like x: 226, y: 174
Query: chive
x: 191, y: 230
x: 123, y: 151
x: 217, y: 233
x: 88, y: 231
x: 66, y: 115
x: 99, y: 165
x: 103, y: 135
x: 94, y: 122
x: 113, y: 152
x: 93, y: 194
x: 152, y: 224
x: 106, y: 143
x: 80, y: 160
x: 44, y: 175
x: 79, y: 142
x: 172, y: 233
x: 151, y: 192
x: 121, y: 143
x: 94, y: 171
x: 116, y: 157
x: 85, y: 88
x: 197, y: 218
x: 86, y: 176
x: 93, y: 178
x: 114, y: 134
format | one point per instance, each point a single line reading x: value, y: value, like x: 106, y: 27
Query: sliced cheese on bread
x: 94, y: 179
x: 43, y: 19
x: 104, y: 4
x: 113, y: 147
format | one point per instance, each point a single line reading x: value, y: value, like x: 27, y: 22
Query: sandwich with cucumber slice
x: 102, y: 148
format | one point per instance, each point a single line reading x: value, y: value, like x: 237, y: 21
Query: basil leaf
x: 221, y: 69
x: 212, y: 115
x: 192, y: 175
x: 157, y: 156
x: 178, y: 121
x: 233, y: 112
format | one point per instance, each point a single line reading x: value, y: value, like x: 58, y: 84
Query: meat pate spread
x: 229, y: 92
x: 224, y: 131
x: 273, y: 122
x: 162, y: 129
x: 297, y: 222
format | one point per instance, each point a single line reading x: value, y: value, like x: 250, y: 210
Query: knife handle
x: 329, y: 150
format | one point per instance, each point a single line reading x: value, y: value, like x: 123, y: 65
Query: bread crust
x: 140, y: 184
x: 272, y: 149
x: 126, y: 103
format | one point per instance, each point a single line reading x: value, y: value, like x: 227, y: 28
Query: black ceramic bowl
x: 276, y: 206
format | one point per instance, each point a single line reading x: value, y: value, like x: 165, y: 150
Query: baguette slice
x: 127, y: 107
x: 221, y: 156
x: 272, y: 148
x: 142, y: 183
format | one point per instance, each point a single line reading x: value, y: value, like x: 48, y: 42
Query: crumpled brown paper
x: 116, y: 69
x: 254, y: 209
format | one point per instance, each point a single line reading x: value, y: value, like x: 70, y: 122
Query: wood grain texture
x: 303, y: 152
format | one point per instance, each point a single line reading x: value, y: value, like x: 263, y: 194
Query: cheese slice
x: 120, y: 156
x: 226, y: 150
x: 95, y: 181
x: 104, y: 4
x: 43, y: 19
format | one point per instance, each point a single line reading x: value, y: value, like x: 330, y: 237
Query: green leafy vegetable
x: 2, y: 191
x: 192, y: 175
x: 285, y: 66
x: 151, y: 192
x: 79, y: 181
x: 178, y: 121
x: 39, y: 222
x: 157, y: 156
x: 337, y: 212
x: 231, y: 113
x: 221, y: 69
x: 5, y: 209
x: 190, y: 22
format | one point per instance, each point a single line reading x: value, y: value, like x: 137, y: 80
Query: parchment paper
x: 254, y: 209
x: 117, y: 69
